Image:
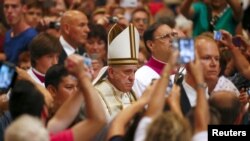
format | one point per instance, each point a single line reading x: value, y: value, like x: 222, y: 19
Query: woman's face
x: 96, y: 46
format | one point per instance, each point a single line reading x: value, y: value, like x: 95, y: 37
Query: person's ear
x: 149, y: 44
x: 52, y: 90
x: 111, y: 72
x: 66, y: 28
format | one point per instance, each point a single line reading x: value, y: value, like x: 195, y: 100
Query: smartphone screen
x: 248, y: 91
x: 7, y: 76
x: 186, y: 49
x: 217, y: 35
x: 128, y: 3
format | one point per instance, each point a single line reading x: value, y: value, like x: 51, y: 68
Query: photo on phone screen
x: 186, y: 49
x: 7, y: 76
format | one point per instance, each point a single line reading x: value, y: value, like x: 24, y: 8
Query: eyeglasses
x: 166, y: 36
x: 137, y: 20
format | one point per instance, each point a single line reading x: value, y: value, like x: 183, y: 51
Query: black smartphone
x: 54, y: 24
x: 248, y: 91
x: 7, y: 76
x: 186, y: 49
x: 113, y: 19
x: 237, y: 41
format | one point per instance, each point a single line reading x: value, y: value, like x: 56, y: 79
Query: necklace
x: 215, y: 18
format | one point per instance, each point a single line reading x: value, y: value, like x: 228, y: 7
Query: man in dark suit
x: 74, y: 30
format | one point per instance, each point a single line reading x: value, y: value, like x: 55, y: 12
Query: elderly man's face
x: 122, y: 77
x: 209, y: 54
x: 161, y: 43
x: 78, y: 29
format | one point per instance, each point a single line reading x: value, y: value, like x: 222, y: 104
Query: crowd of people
x: 113, y: 70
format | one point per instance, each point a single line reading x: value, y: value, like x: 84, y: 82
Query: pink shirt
x: 66, y: 135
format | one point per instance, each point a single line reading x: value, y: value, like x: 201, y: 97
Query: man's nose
x: 214, y: 62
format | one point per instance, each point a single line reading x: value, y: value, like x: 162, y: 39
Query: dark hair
x: 149, y: 33
x: 55, y: 74
x: 97, y: 31
x: 24, y: 57
x: 25, y: 98
x: 43, y: 44
x: 33, y: 4
x: 23, y: 2
x: 246, y: 19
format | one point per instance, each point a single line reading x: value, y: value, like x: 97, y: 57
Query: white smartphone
x: 128, y: 3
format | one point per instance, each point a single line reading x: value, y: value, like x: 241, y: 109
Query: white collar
x: 37, y: 72
x: 66, y: 46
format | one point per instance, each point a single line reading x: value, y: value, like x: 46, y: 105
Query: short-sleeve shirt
x: 14, y: 46
x: 201, y: 20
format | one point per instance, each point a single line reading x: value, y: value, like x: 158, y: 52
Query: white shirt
x: 225, y: 84
x: 66, y: 46
x: 191, y: 93
x: 142, y: 128
x: 200, y: 136
x: 143, y: 78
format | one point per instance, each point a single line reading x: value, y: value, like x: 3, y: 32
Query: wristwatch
x: 201, y: 85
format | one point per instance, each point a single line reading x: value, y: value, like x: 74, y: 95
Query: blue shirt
x: 14, y: 46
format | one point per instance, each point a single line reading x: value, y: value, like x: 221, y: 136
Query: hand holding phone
x: 237, y: 41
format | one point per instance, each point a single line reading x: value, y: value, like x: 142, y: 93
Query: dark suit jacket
x: 63, y: 54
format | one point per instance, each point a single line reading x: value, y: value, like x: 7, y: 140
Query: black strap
x: 185, y: 104
x: 209, y: 18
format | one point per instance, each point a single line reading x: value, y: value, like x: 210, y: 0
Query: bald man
x: 74, y: 30
x: 228, y: 104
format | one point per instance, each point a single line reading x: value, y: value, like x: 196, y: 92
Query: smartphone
x: 128, y: 3
x: 237, y: 41
x: 217, y: 35
x: 113, y: 19
x: 186, y: 49
x: 87, y: 60
x: 248, y: 91
x: 7, y: 76
x: 54, y: 24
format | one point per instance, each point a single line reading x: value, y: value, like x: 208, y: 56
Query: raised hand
x: 75, y: 65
